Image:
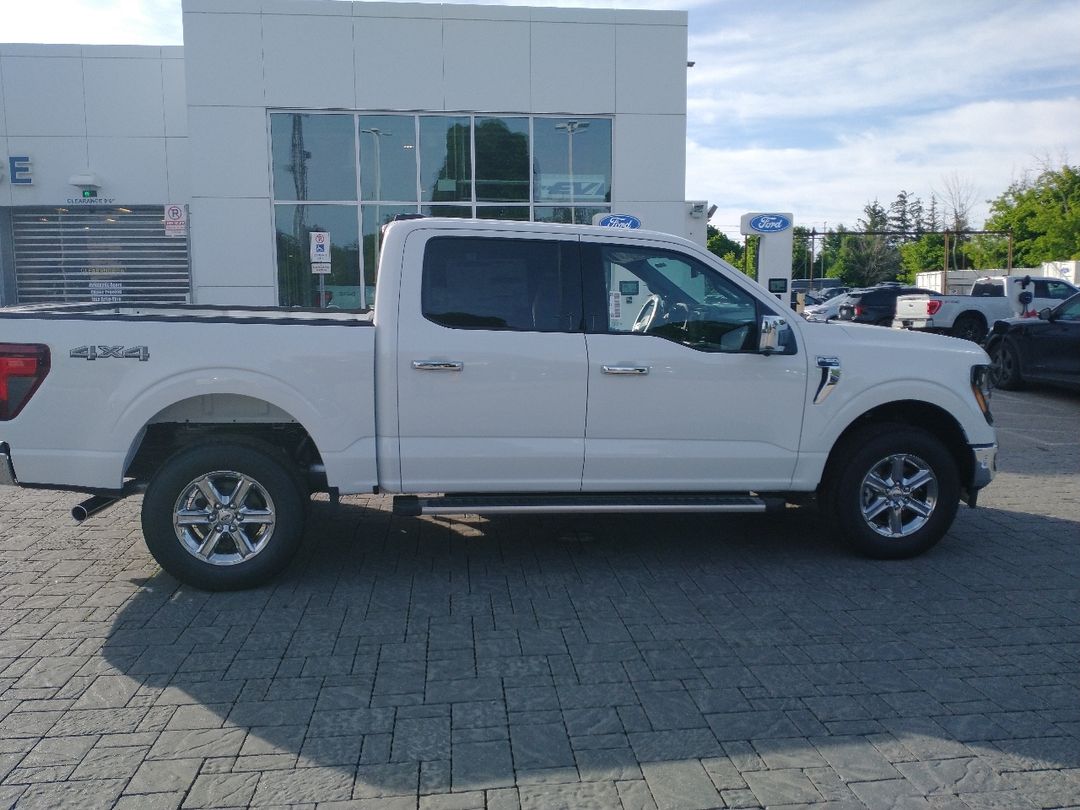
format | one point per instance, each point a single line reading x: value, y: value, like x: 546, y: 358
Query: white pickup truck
x: 970, y: 317
x: 501, y: 368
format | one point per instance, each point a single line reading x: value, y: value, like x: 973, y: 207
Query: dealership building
x: 203, y: 173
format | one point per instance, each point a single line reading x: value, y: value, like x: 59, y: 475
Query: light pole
x: 377, y: 134
x: 572, y: 128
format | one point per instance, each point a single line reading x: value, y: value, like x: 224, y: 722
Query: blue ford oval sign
x: 620, y: 221
x: 770, y: 223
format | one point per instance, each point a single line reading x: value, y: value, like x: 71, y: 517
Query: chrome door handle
x: 635, y: 370
x: 437, y: 365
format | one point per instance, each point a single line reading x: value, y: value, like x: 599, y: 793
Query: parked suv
x: 877, y: 305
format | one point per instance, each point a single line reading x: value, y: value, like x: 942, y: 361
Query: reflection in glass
x: 502, y: 159
x: 572, y: 161
x: 297, y: 285
x: 578, y: 216
x: 445, y: 158
x: 519, y: 213
x: 387, y: 157
x: 455, y: 211
x: 313, y: 156
x: 374, y: 218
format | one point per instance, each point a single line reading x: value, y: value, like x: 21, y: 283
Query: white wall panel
x: 223, y: 59
x: 242, y: 296
x: 650, y: 61
x: 173, y: 85
x: 573, y: 68
x: 132, y: 170
x: 649, y: 160
x: 487, y: 65
x: 178, y: 170
x: 5, y: 186
x: 3, y: 111
x: 44, y: 96
x: 53, y: 161
x: 398, y: 63
x: 231, y: 244
x: 123, y: 97
x: 310, y: 61
x: 229, y: 152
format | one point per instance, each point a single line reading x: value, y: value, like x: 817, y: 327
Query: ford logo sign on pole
x: 627, y: 221
x: 770, y: 223
x: 774, y: 252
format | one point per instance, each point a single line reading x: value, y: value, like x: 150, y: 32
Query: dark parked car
x: 877, y: 305
x: 1044, y: 349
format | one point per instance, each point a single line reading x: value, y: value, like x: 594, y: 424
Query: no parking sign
x: 320, y: 252
x: 175, y: 220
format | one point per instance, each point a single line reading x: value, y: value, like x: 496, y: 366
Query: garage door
x: 109, y: 255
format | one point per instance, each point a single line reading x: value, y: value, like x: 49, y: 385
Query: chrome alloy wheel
x: 898, y: 495
x: 224, y: 518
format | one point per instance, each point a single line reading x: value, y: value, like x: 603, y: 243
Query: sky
x: 814, y: 107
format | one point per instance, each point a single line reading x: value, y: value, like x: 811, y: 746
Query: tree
x: 925, y: 253
x: 724, y: 246
x: 1043, y: 213
x: 900, y: 213
x: 800, y: 252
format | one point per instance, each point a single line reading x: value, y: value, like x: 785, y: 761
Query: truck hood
x: 881, y: 344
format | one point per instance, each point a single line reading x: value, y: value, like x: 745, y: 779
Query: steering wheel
x: 648, y: 314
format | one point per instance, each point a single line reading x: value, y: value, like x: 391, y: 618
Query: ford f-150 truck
x: 501, y: 368
x: 992, y: 299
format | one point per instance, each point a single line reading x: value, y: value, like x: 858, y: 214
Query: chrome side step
x: 615, y: 503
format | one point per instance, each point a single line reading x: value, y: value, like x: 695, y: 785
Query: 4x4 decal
x: 119, y: 352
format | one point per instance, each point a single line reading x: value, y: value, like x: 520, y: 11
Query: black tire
x: 1005, y: 366
x: 928, y: 482
x: 260, y: 535
x: 970, y: 326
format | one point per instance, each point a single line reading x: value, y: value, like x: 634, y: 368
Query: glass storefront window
x: 579, y: 215
x: 387, y: 157
x: 519, y: 213
x: 509, y: 167
x: 314, y: 156
x: 297, y: 285
x: 374, y: 218
x: 445, y: 158
x: 502, y: 159
x: 572, y: 160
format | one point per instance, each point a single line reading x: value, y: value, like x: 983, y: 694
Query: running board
x: 615, y: 503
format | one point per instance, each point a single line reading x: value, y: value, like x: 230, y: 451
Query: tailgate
x: 912, y: 308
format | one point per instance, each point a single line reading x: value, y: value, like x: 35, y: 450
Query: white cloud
x: 989, y: 144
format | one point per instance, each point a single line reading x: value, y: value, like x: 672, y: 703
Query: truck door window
x: 673, y: 296
x: 1054, y: 290
x: 502, y: 284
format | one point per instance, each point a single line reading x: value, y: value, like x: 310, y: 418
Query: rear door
x: 491, y: 363
x: 679, y: 398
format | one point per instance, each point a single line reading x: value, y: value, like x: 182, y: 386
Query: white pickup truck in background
x: 993, y: 298
x: 500, y: 368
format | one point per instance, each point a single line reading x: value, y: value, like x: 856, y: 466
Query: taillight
x: 859, y: 310
x: 932, y: 306
x: 23, y: 367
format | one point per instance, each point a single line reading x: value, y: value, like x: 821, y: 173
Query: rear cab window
x: 498, y: 283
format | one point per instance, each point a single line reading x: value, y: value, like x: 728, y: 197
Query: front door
x: 1055, y: 348
x: 491, y: 365
x: 679, y: 397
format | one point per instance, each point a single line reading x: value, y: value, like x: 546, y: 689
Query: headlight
x: 980, y: 387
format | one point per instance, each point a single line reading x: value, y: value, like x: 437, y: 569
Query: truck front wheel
x: 223, y: 516
x: 897, y: 492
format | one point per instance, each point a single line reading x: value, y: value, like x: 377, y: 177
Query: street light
x: 572, y: 128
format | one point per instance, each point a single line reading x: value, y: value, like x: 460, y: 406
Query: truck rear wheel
x: 897, y: 492
x: 970, y: 326
x: 223, y: 516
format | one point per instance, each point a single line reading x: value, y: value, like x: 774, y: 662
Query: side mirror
x: 769, y: 337
x: 1044, y: 314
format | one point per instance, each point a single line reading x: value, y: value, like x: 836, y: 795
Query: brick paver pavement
x: 637, y: 662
